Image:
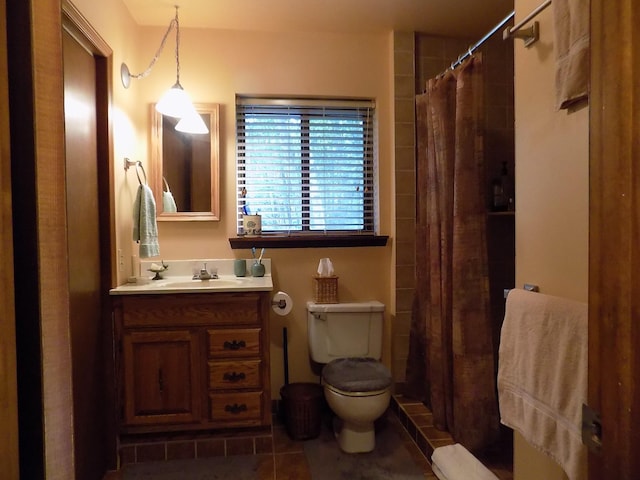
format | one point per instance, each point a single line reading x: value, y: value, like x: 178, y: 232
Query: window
x: 306, y: 165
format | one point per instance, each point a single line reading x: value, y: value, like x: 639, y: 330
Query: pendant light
x: 192, y: 122
x: 175, y: 102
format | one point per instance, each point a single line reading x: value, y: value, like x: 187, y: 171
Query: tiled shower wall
x: 405, y: 188
x: 418, y: 57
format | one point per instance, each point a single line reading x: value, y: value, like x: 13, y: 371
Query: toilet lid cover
x: 357, y: 374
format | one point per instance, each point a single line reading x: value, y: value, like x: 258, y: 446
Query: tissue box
x: 325, y: 289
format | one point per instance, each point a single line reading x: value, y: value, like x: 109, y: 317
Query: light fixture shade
x: 175, y: 102
x: 192, y: 123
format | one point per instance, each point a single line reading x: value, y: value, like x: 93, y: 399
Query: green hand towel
x: 145, y: 230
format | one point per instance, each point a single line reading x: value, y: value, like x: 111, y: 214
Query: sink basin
x: 200, y: 284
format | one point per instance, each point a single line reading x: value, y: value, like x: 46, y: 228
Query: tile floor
x: 290, y: 461
x: 284, y: 458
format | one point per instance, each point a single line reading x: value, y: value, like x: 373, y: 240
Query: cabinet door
x: 162, y: 377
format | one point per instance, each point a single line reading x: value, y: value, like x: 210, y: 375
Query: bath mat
x: 240, y: 467
x: 389, y: 460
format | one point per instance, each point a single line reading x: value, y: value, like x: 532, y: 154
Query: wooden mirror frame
x: 156, y: 145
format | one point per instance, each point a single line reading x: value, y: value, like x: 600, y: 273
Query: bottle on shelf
x: 502, y: 194
x: 507, y: 187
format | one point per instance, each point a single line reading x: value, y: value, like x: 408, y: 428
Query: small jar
x: 257, y: 270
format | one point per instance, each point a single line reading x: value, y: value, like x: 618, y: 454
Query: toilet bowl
x: 347, y: 339
x: 358, y: 392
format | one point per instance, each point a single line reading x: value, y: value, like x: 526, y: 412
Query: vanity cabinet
x: 192, y: 361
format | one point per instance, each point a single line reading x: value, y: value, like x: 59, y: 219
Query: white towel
x: 454, y: 462
x: 571, y: 32
x: 145, y: 230
x: 542, y: 375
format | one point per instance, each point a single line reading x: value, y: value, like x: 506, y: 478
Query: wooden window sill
x: 308, y: 241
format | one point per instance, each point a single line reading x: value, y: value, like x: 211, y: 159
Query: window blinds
x: 306, y: 165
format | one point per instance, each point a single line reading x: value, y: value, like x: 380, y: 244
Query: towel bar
x: 529, y: 35
x: 527, y: 286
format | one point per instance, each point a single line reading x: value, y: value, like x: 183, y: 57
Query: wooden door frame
x: 9, y: 456
x: 614, y: 236
x: 79, y: 27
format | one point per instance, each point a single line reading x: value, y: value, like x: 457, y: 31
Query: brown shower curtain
x: 451, y: 362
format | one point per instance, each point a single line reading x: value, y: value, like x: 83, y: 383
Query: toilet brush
x: 285, y: 353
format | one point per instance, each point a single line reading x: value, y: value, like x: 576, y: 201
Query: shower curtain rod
x: 529, y: 36
x: 474, y: 47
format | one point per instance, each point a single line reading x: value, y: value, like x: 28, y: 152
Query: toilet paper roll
x: 281, y: 304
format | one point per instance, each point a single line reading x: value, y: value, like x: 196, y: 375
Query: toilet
x: 347, y: 339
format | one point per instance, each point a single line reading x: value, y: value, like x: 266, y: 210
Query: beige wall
x: 113, y: 23
x: 551, y: 195
x: 215, y: 66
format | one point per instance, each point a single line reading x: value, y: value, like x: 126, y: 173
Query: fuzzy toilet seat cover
x: 357, y: 374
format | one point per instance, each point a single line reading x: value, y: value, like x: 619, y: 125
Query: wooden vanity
x: 192, y: 361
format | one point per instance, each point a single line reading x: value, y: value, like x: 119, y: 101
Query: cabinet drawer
x: 236, y: 408
x: 192, y: 309
x: 243, y: 342
x: 241, y: 374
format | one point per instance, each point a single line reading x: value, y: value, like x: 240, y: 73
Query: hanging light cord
x: 174, y: 23
x: 177, y: 23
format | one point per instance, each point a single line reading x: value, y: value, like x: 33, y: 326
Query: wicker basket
x: 325, y: 289
x: 302, y: 404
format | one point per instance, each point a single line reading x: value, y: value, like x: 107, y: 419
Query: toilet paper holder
x: 282, y: 303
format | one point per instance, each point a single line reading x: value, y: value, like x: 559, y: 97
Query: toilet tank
x: 341, y: 330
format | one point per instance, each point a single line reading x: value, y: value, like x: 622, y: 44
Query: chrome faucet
x: 204, y: 274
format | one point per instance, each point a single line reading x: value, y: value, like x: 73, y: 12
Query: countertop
x: 178, y: 278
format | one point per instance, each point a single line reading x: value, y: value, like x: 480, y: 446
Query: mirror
x: 185, y: 167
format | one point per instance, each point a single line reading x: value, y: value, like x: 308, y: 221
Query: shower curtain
x: 451, y: 362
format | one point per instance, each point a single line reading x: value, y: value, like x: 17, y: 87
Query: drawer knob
x: 234, y: 345
x: 235, y: 408
x: 233, y: 376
